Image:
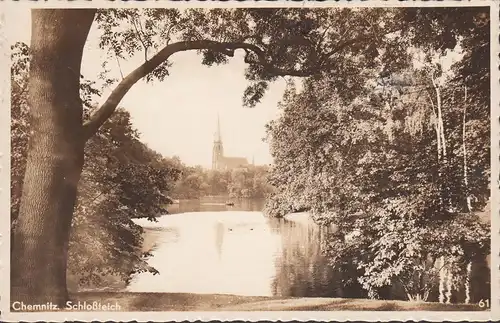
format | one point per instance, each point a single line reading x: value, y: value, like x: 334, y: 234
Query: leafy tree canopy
x: 275, y: 42
x: 402, y: 165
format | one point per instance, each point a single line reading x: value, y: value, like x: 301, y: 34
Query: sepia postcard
x: 258, y: 160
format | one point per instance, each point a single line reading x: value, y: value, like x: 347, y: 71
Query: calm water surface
x: 208, y: 247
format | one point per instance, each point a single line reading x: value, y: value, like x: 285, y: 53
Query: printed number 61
x: 484, y: 303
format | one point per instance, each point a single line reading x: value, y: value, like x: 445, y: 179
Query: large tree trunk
x: 55, y: 156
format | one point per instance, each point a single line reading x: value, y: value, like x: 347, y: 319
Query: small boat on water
x: 171, y: 200
x: 229, y: 203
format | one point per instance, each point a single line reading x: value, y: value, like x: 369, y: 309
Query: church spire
x: 218, y: 136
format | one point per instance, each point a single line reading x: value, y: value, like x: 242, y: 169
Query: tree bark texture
x: 55, y: 156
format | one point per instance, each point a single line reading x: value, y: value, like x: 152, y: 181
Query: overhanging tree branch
x: 226, y: 48
x: 106, y: 110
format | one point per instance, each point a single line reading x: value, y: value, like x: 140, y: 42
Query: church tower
x: 217, y: 150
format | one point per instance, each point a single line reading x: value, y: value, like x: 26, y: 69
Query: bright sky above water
x: 178, y: 117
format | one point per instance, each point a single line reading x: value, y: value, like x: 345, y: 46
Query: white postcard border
x: 8, y: 30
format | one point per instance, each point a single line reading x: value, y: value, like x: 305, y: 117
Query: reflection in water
x: 208, y: 247
x: 241, y: 261
x: 302, y: 268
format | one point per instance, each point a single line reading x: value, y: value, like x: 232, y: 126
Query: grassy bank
x: 216, y: 302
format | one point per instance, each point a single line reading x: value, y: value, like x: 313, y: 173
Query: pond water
x: 206, y: 247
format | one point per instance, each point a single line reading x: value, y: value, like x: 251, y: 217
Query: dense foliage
x: 402, y: 167
x: 122, y: 179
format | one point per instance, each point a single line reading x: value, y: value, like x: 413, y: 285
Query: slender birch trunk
x: 467, y: 283
x: 467, y: 196
x: 438, y: 145
x: 466, y: 180
x: 441, y: 152
x: 442, y: 276
x: 440, y: 116
x: 449, y: 286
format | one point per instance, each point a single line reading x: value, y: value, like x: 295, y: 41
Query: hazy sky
x: 178, y: 116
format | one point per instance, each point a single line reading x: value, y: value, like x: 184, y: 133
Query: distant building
x: 219, y: 161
